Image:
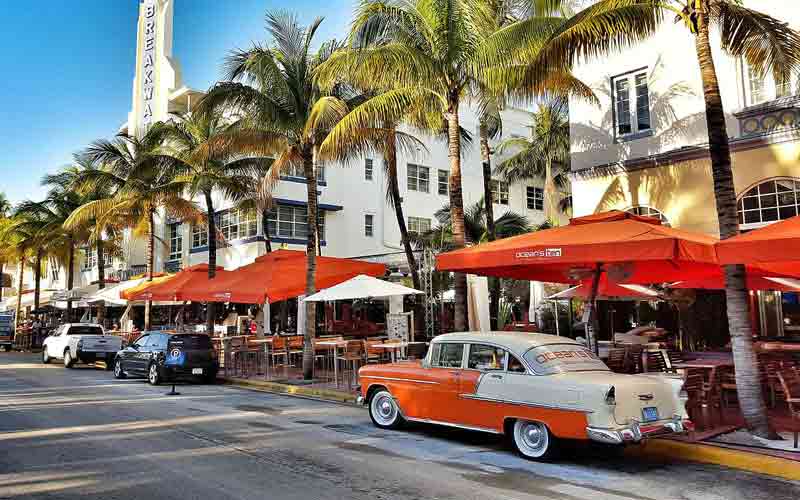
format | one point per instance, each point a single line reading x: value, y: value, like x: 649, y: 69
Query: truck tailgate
x: 100, y: 343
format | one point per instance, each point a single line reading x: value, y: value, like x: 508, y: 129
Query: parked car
x: 86, y: 342
x: 535, y: 388
x: 163, y: 356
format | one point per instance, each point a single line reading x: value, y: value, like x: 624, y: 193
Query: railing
x: 126, y: 274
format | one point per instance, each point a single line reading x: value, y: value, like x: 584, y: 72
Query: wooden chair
x: 702, y: 398
x: 279, y: 350
x: 616, y: 360
x: 416, y: 350
x: 374, y: 355
x: 352, y: 356
x: 633, y: 359
x: 790, y: 381
x: 726, y: 381
x: 656, y: 362
x: 294, y: 348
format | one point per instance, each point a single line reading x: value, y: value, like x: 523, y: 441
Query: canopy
x: 361, y: 287
x: 778, y: 242
x: 112, y: 294
x: 779, y: 276
x: 128, y: 293
x: 277, y: 276
x: 630, y: 248
x: 45, y: 297
x: 607, y: 291
x: 176, y: 286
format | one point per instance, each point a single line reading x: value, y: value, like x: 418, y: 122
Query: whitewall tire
x: 533, y: 440
x: 384, y: 411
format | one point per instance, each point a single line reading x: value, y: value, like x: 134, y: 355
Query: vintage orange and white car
x: 535, y: 388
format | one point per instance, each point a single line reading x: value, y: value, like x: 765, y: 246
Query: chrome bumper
x: 636, y: 432
x: 360, y: 400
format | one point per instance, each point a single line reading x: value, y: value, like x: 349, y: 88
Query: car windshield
x: 563, y: 358
x: 84, y: 330
x: 191, y: 341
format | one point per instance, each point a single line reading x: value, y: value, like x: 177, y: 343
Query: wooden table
x: 392, y: 347
x: 706, y: 364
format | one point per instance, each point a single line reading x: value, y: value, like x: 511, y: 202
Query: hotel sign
x: 148, y: 62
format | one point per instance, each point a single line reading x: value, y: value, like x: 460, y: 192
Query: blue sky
x: 68, y: 69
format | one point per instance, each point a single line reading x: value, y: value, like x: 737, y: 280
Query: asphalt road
x: 82, y: 434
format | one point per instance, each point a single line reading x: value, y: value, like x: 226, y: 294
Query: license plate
x: 650, y: 414
x: 197, y: 371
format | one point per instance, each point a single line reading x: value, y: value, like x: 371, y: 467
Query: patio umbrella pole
x: 591, y: 313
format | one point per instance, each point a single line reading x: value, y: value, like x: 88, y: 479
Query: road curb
x: 707, y: 454
x: 292, y: 390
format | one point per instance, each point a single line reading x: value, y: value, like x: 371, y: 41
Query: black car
x: 163, y: 356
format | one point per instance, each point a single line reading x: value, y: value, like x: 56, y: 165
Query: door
x: 57, y: 342
x: 136, y: 355
x: 482, y: 385
x: 446, y: 370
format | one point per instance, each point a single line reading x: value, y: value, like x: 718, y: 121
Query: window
x: 631, y: 103
x: 760, y: 88
x: 486, y: 358
x: 199, y: 235
x: 535, y: 198
x: 141, y: 341
x: 321, y: 172
x: 755, y: 86
x: 443, y: 182
x: 515, y: 365
x: 646, y: 211
x: 90, y: 262
x: 235, y: 224
x: 563, y: 358
x: 368, y: 225
x: 419, y: 225
x: 175, y: 241
x: 418, y: 178
x: 368, y: 169
x: 500, y: 192
x: 288, y: 221
x: 298, y: 171
x: 770, y: 201
x: 447, y: 355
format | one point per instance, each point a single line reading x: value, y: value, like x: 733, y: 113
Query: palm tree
x: 5, y: 208
x: 766, y: 43
x: 545, y: 155
x: 140, y: 182
x: 272, y: 90
x: 19, y: 236
x: 205, y: 163
x: 260, y: 198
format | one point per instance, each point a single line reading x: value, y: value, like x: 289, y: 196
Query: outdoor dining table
x: 393, y: 347
x: 332, y: 346
x: 267, y: 343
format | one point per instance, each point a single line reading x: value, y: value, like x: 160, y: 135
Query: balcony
x: 779, y: 115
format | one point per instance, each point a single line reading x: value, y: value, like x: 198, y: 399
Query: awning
x: 629, y: 248
x: 45, y: 297
x: 778, y: 242
x: 277, y: 276
x: 608, y: 291
x: 175, y: 286
x: 781, y: 277
x: 112, y: 294
x: 362, y: 287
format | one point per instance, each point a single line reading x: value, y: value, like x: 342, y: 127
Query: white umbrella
x: 361, y: 287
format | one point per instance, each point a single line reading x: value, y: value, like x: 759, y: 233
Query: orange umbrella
x: 278, y: 276
x: 630, y: 248
x: 174, y: 287
x: 135, y: 290
x: 627, y: 248
x: 778, y: 242
x: 780, y: 277
x: 607, y: 290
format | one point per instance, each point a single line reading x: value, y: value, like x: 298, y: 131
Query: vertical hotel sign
x: 148, y: 62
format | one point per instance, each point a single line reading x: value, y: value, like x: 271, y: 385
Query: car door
x: 136, y: 356
x: 482, y: 385
x: 57, y: 342
x: 446, y: 369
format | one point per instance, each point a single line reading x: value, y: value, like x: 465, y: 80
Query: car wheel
x: 68, y: 361
x: 45, y: 356
x: 118, y: 371
x: 153, y: 374
x: 533, y: 440
x: 384, y: 412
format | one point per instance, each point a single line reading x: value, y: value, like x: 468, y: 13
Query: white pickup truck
x: 87, y: 342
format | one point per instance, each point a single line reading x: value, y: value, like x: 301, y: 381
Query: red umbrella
x: 174, y: 287
x: 780, y: 277
x: 627, y: 248
x: 778, y: 242
x: 607, y: 291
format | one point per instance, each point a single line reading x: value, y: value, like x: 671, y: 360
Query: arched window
x: 769, y: 201
x: 646, y: 211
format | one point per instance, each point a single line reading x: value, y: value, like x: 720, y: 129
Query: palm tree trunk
x: 37, y: 278
x: 265, y: 229
x: 70, y: 276
x: 2, y: 268
x: 148, y: 304
x: 212, y: 258
x: 550, y: 205
x: 18, y: 315
x: 457, y: 209
x: 748, y: 382
x: 309, y: 168
x: 491, y: 232
x: 395, y: 199
x: 101, y: 279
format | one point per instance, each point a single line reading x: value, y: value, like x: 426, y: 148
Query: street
x: 82, y: 434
